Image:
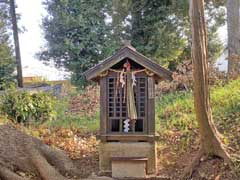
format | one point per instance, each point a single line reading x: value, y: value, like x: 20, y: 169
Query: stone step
x: 109, y: 178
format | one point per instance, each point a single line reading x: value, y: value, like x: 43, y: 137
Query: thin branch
x: 4, y: 1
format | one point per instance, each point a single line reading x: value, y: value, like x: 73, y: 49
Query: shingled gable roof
x: 131, y: 53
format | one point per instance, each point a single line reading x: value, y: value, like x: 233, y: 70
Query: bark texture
x: 20, y: 152
x: 233, y: 26
x: 211, y: 144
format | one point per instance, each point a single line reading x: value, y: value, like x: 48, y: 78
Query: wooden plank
x: 103, y: 105
x: 151, y: 88
x: 127, y: 138
x: 151, y: 106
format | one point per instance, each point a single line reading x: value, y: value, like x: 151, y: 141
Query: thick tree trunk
x: 211, y: 144
x: 233, y: 26
x: 209, y: 136
x: 20, y: 152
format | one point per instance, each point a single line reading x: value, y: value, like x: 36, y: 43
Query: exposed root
x: 59, y: 160
x: 227, y: 159
x: 221, y: 153
x: 5, y: 173
x: 229, y: 148
x: 45, y: 170
x: 27, y: 154
x: 188, y: 171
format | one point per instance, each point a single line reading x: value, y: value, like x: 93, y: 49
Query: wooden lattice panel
x: 117, y: 110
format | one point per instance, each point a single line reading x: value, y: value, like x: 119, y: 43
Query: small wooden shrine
x: 127, y: 113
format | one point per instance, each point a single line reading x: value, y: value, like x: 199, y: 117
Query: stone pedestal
x: 129, y: 168
x: 128, y: 150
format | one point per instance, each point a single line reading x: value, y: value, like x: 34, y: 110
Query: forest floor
x: 75, y: 132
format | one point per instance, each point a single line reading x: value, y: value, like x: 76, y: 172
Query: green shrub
x: 22, y: 106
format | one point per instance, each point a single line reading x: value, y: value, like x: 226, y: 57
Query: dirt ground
x: 211, y: 169
x: 82, y: 147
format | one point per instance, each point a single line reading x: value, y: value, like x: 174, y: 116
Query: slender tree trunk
x: 233, y: 25
x: 16, y: 43
x: 210, y: 138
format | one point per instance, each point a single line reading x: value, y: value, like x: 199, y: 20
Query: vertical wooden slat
x: 103, y: 106
x: 138, y: 95
x: 121, y: 117
x: 150, y: 106
x: 114, y: 99
x: 145, y: 120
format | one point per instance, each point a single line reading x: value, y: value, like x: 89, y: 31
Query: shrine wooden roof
x: 130, y: 53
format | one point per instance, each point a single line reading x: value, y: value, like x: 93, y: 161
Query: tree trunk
x: 233, y: 26
x: 211, y: 144
x: 209, y: 135
x: 20, y: 152
x: 16, y: 43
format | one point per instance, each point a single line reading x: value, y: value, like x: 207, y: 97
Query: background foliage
x: 7, y: 63
x: 79, y: 33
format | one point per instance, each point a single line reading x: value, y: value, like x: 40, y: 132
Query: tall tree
x: 211, y: 144
x: 156, y: 30
x: 120, y: 19
x: 233, y: 24
x: 7, y: 63
x: 77, y: 34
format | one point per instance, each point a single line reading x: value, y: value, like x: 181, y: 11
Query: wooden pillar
x: 151, y: 106
x: 103, y: 106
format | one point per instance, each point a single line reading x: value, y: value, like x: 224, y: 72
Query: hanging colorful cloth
x: 130, y: 81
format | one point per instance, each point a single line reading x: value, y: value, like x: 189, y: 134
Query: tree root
x: 227, y: 158
x: 188, y: 171
x: 45, y: 170
x: 5, y: 173
x: 202, y: 156
x: 27, y: 154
